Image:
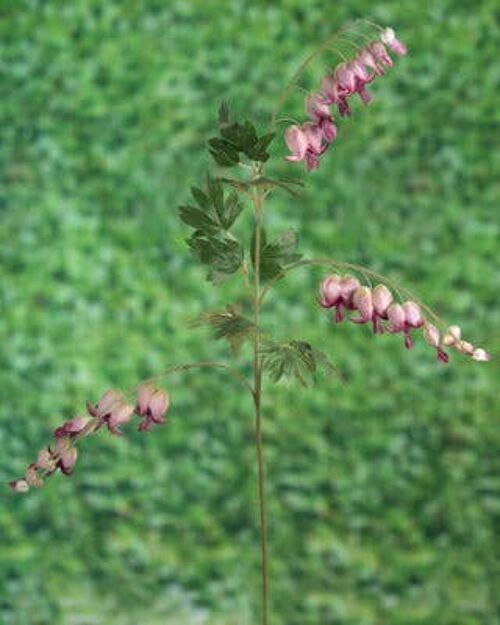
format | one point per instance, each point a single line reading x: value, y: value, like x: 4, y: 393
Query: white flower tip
x: 480, y: 355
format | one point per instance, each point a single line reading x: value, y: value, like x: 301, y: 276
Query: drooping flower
x: 378, y: 306
x: 388, y: 36
x: 305, y: 143
x: 340, y: 83
x: 112, y: 410
x: 72, y: 427
x: 320, y: 113
x: 66, y: 455
x: 152, y: 405
x: 337, y: 292
x: 432, y: 338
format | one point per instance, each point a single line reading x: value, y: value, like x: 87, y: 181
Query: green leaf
x: 228, y: 324
x: 232, y: 209
x: 258, y: 151
x: 223, y: 253
x: 196, y: 218
x: 295, y: 360
x: 275, y: 256
x: 223, y: 152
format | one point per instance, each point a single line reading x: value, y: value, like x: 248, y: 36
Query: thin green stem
x: 257, y: 372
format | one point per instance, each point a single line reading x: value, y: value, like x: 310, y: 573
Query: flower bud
x: 45, y: 460
x: 19, y: 486
x: 152, y: 405
x: 431, y: 335
x: 382, y: 299
x: 452, y: 336
x: 380, y: 54
x: 481, y: 355
x: 32, y: 477
x: 464, y: 347
x: 388, y: 36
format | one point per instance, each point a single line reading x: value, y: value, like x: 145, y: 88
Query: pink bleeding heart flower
x: 152, y: 405
x: 296, y: 140
x: 66, y: 455
x: 380, y: 54
x: 111, y: 410
x: 413, y: 319
x: 382, y: 299
x: 319, y: 111
x: 388, y: 36
x: 330, y: 291
x: 367, y: 60
x: 72, y: 427
x: 432, y: 338
x: 337, y: 292
x: 363, y: 302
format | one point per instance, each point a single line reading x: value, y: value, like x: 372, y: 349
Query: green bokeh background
x: 384, y: 491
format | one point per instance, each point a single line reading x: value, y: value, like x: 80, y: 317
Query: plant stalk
x: 257, y: 374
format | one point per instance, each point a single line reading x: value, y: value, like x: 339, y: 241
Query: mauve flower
x: 19, y: 486
x: 320, y: 113
x: 382, y: 299
x: 367, y: 60
x: 432, y: 338
x: 32, y: 477
x: 296, y: 140
x: 111, y: 410
x: 72, y: 427
x: 338, y: 292
x: 66, y: 454
x: 330, y: 291
x: 380, y: 54
x: 45, y: 460
x: 397, y: 318
x: 363, y: 302
x: 104, y: 405
x: 388, y: 36
x: 152, y: 405
x: 306, y: 143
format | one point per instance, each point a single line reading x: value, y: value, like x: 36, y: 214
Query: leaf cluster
x: 276, y: 255
x: 236, y: 140
x: 212, y: 215
x: 228, y: 324
x: 297, y: 360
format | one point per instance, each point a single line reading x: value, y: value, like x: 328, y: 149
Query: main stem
x: 257, y: 374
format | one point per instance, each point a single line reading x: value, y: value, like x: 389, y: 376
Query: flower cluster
x: 310, y: 140
x: 377, y: 306
x: 111, y: 411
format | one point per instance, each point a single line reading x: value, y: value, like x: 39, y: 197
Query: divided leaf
x: 295, y: 360
x: 228, y: 324
x: 222, y: 253
x: 276, y: 255
x: 238, y: 139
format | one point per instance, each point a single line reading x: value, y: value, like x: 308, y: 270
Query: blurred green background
x: 384, y: 492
